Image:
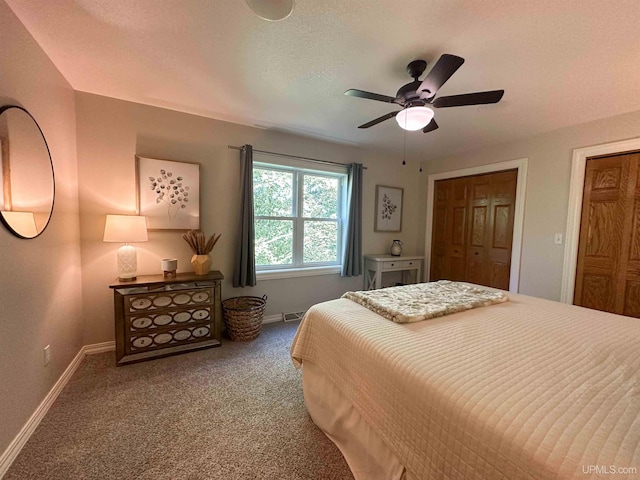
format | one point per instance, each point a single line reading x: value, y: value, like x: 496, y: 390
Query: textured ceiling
x: 560, y: 62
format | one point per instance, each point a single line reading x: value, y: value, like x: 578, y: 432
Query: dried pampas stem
x: 198, y: 242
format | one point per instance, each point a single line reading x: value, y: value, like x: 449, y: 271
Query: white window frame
x: 298, y: 268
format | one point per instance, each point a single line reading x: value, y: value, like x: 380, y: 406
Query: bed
x: 525, y: 389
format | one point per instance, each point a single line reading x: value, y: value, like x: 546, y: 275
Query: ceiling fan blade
x: 431, y: 126
x: 479, y: 98
x: 439, y: 74
x: 378, y: 120
x: 371, y: 96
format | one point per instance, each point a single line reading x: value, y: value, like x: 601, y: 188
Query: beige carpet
x: 234, y: 412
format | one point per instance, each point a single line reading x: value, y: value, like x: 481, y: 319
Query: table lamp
x: 125, y: 229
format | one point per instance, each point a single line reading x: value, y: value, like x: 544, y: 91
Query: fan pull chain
x: 404, y: 152
x: 420, y: 166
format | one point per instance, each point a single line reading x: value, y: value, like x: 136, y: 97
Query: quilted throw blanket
x: 414, y: 303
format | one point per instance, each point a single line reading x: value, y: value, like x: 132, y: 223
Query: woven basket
x: 243, y: 317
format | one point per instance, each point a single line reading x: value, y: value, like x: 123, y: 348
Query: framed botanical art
x: 168, y: 193
x: 388, y: 209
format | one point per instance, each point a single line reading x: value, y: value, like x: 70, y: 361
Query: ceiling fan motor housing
x: 408, y: 94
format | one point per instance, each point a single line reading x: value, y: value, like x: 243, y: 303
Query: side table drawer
x: 410, y: 263
x: 145, y: 341
x: 394, y: 264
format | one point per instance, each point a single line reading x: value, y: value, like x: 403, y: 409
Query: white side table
x: 376, y: 265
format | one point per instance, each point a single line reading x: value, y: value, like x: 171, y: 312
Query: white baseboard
x: 99, y: 347
x: 12, y: 451
x: 272, y: 318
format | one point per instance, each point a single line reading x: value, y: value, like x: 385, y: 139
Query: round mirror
x: 27, y: 189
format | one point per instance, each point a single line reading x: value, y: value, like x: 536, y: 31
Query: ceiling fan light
x: 414, y: 118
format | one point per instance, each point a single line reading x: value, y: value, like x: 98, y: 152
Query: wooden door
x: 473, y: 229
x: 448, y: 246
x: 608, y: 269
x: 492, y: 211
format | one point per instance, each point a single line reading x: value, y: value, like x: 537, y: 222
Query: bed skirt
x: 365, y: 453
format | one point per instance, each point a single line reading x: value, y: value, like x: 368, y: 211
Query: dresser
x: 376, y: 265
x: 157, y: 316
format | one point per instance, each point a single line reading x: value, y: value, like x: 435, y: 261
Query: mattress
x: 527, y: 389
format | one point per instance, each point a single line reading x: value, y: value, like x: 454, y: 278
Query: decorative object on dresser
x: 168, y: 193
x: 125, y: 229
x: 169, y: 267
x: 376, y: 265
x: 157, y: 316
x: 388, y: 209
x: 201, y: 248
x: 243, y: 317
x: 396, y: 248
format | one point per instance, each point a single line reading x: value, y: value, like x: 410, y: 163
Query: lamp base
x: 127, y: 263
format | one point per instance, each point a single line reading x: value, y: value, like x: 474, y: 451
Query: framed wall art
x: 168, y: 193
x: 388, y: 209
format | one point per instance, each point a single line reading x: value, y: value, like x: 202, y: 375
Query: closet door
x: 448, y: 244
x: 473, y: 229
x: 492, y: 210
x: 608, y: 269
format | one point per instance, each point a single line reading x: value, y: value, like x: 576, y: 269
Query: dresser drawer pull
x: 200, y: 314
x: 141, y: 303
x: 200, y: 332
x: 142, y: 322
x: 141, y: 342
x: 200, y: 297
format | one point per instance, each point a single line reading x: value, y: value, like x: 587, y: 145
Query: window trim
x: 265, y: 272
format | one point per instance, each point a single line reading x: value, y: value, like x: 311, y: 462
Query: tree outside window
x: 298, y: 216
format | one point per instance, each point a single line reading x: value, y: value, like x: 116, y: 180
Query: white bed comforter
x: 520, y: 390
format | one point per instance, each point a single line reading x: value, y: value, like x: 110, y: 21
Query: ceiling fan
x: 417, y: 95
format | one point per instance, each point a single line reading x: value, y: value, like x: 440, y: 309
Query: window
x: 299, y: 216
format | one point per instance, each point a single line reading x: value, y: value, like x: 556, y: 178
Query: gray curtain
x: 244, y: 272
x: 352, y: 258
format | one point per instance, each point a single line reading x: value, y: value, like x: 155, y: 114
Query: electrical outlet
x: 47, y: 354
x: 557, y: 239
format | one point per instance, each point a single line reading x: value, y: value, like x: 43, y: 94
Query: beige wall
x: 111, y: 132
x: 40, y: 295
x: 549, y: 171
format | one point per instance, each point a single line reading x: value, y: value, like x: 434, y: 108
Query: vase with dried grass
x: 201, y: 248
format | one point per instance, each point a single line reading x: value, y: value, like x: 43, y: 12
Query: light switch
x: 557, y: 239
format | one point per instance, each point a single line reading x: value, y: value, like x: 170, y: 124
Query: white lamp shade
x: 125, y: 229
x: 414, y: 118
x: 272, y: 10
x: 23, y: 223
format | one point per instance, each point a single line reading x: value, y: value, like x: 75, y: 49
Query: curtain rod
x: 293, y: 156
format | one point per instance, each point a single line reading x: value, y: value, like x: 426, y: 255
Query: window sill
x: 297, y: 272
